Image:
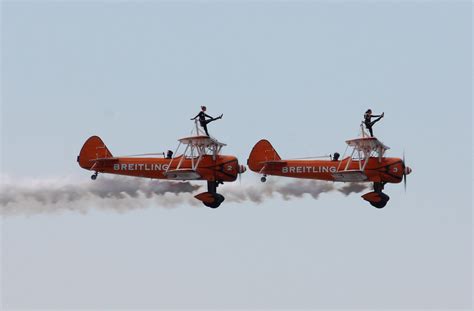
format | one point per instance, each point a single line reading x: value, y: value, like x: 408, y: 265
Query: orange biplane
x: 200, y: 160
x: 366, y: 163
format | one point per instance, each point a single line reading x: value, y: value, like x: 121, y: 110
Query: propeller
x: 406, y: 171
x: 242, y: 169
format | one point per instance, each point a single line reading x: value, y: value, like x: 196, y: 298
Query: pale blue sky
x: 299, y: 74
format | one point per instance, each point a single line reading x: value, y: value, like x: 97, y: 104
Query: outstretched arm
x: 195, y: 117
x: 208, y: 116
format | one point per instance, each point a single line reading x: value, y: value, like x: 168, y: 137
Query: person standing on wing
x: 202, y: 119
x: 369, y: 123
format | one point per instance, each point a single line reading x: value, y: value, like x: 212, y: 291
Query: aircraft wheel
x: 379, y: 205
x: 263, y: 179
x: 218, y: 199
x: 383, y: 202
x: 94, y: 176
x: 212, y: 205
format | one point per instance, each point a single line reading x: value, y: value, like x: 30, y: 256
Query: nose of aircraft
x: 407, y: 170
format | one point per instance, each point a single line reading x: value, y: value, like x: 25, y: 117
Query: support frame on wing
x: 196, y: 147
x: 363, y: 148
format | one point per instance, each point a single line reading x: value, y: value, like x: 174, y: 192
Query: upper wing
x: 367, y: 143
x: 198, y: 141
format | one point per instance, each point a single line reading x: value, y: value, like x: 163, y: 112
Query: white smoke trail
x: 117, y: 193
x: 288, y: 190
x: 353, y: 187
x: 121, y: 194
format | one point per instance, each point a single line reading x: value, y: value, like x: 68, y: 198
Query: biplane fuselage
x: 201, y: 160
x: 222, y: 168
x: 96, y: 157
x: 388, y: 170
x: 366, y: 164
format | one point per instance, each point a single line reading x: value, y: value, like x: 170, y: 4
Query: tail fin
x: 94, y: 148
x: 262, y: 151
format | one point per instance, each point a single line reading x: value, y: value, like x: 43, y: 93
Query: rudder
x: 94, y: 148
x: 262, y: 151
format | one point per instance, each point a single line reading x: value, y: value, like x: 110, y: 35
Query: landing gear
x: 218, y: 199
x: 378, y: 186
x: 383, y: 201
x: 377, y: 198
x: 211, y: 198
x: 264, y: 178
x: 94, y: 176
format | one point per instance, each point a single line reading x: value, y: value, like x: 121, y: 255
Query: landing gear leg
x: 378, y: 186
x: 212, y: 186
x: 94, y: 176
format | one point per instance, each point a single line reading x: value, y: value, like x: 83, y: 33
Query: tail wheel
x: 94, y: 176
